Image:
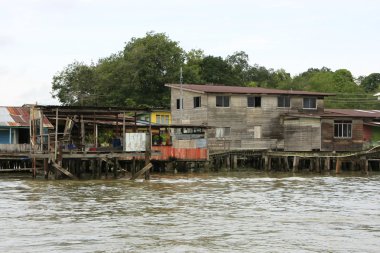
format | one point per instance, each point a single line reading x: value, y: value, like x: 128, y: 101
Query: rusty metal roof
x: 353, y: 113
x: 18, y: 117
x: 242, y: 90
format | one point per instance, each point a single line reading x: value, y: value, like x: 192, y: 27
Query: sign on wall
x: 134, y: 142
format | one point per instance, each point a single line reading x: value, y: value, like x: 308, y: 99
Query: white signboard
x: 135, y: 142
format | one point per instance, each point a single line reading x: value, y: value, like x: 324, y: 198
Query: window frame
x: 179, y: 104
x: 343, y: 129
x: 223, y: 132
x: 197, y: 102
x: 256, y: 101
x: 225, y: 102
x: 309, y: 98
x: 283, y: 99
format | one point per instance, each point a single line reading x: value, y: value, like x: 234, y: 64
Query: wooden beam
x: 64, y: 171
x: 142, y: 171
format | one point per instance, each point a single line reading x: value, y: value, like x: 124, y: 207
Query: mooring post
x: 296, y: 162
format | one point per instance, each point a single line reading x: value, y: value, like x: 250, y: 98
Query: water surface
x: 238, y: 212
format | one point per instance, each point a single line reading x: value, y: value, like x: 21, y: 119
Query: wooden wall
x: 302, y: 134
x: 245, y: 123
x: 329, y: 143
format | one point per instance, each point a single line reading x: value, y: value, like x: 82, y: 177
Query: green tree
x: 240, y: 68
x: 192, y: 68
x: 371, y: 83
x: 216, y: 70
x: 75, y: 85
x: 150, y: 63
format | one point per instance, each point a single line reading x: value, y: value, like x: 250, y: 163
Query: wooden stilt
x: 365, y: 161
x: 338, y: 166
x: 266, y: 163
x: 286, y: 162
x: 235, y: 161
x: 327, y: 163
x: 296, y: 161
x: 317, y: 165
x: 46, y: 168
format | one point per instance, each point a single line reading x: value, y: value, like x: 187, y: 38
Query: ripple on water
x: 197, y: 213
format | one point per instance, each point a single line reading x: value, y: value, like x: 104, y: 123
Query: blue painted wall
x: 4, y: 136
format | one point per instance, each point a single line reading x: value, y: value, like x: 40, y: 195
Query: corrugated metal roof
x: 17, y: 117
x: 243, y: 90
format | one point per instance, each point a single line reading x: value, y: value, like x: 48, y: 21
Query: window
x: 221, y: 132
x: 283, y: 101
x: 222, y: 101
x: 162, y: 119
x: 309, y: 103
x: 342, y: 128
x: 179, y: 103
x: 254, y: 101
x: 197, y: 102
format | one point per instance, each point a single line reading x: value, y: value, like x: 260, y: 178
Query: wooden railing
x: 12, y: 148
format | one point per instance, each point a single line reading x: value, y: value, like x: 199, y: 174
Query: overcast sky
x: 38, y: 38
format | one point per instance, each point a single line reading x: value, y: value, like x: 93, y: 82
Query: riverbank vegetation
x: 136, y: 76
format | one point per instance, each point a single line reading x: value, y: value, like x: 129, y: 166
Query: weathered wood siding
x: 14, y: 148
x: 329, y: 143
x: 303, y: 134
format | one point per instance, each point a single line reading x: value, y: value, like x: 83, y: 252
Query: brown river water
x: 231, y: 212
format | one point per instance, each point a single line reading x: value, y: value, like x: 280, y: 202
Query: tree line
x: 136, y: 77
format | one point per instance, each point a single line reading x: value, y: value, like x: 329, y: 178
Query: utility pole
x: 181, y: 95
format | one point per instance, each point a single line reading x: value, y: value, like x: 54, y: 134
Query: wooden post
x: 338, y: 166
x: 228, y: 163
x: 286, y: 162
x: 133, y: 169
x: 365, y: 160
x: 317, y: 165
x: 234, y: 161
x: 267, y: 163
x: 327, y: 164
x: 46, y: 168
x: 296, y: 162
x: 56, y: 136
x: 93, y: 167
x: 99, y: 168
x: 115, y: 167
x: 82, y: 133
x: 123, y: 144
x: 148, y: 151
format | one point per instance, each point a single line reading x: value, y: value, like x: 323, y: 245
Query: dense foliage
x: 136, y: 76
